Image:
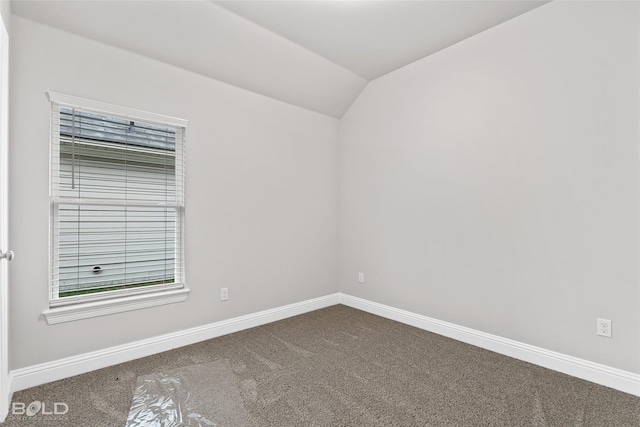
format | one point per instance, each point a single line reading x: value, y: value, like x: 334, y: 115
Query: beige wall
x: 494, y: 184
x: 261, y: 192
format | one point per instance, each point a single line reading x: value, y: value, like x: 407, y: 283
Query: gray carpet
x: 334, y: 367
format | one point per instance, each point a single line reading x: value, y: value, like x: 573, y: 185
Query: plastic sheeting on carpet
x: 194, y: 396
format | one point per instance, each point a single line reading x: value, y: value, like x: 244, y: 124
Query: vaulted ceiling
x: 318, y: 55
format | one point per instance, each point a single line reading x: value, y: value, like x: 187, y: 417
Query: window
x: 117, y: 203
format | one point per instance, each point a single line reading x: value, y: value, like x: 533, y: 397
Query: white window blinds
x: 117, y: 203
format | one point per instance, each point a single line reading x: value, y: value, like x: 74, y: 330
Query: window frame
x: 109, y: 302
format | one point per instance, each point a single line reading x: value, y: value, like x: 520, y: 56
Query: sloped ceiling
x: 317, y: 55
x: 373, y: 38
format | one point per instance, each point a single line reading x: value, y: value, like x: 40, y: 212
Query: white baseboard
x: 580, y: 368
x: 32, y: 376
x: 6, y: 401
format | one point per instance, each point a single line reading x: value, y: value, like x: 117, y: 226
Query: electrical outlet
x: 604, y: 328
x: 361, y: 277
x: 224, y: 294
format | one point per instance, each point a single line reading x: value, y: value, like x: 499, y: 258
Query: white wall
x: 218, y: 44
x: 495, y: 184
x: 5, y: 12
x: 261, y: 192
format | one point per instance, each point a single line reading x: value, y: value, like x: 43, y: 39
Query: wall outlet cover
x: 604, y: 327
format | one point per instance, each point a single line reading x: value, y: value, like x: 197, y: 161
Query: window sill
x: 87, y: 310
